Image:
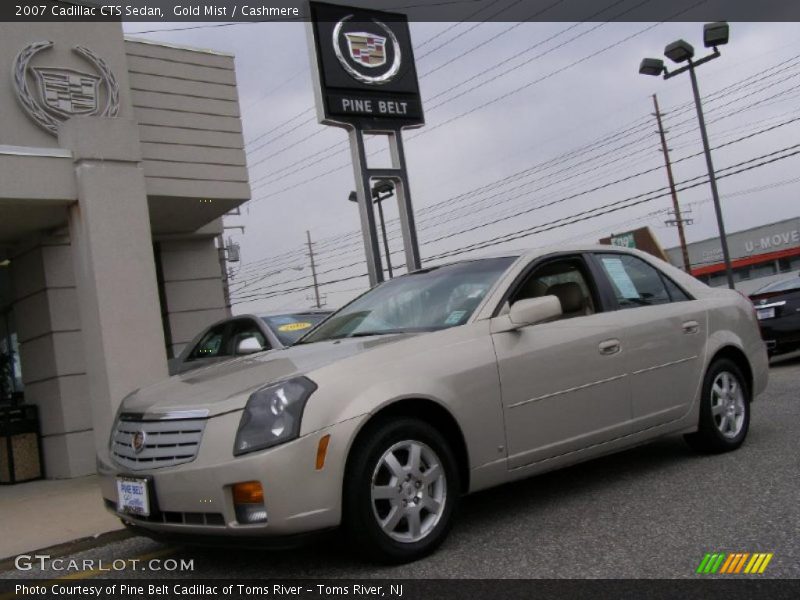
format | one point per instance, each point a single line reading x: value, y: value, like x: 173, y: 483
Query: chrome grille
x: 165, y: 443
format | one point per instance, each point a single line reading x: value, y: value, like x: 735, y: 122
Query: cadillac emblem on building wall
x: 371, y: 58
x: 61, y: 93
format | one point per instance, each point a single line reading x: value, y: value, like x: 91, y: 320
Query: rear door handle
x: 609, y: 346
x: 690, y: 327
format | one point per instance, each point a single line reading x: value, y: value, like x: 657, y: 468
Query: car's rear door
x: 563, y: 382
x: 665, y: 331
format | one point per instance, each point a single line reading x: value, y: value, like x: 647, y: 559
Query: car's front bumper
x: 195, y: 499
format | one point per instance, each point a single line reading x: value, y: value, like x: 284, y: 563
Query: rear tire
x: 724, y: 410
x: 400, y: 492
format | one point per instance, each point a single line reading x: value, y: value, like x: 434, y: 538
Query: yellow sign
x: 294, y: 326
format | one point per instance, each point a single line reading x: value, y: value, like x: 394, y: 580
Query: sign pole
x: 369, y: 231
x: 403, y: 191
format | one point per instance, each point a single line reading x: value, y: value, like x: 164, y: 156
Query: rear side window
x: 676, y: 293
x: 635, y: 283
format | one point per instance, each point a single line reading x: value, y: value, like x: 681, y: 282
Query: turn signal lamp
x: 322, y: 451
x: 248, y: 502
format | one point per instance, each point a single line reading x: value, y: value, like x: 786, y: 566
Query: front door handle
x: 609, y: 346
x: 690, y: 327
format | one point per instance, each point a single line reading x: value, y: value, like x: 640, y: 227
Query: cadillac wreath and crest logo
x: 371, y: 58
x: 138, y: 441
x: 61, y: 93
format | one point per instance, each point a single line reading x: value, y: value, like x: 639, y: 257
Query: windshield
x: 290, y: 328
x: 780, y: 286
x: 427, y: 300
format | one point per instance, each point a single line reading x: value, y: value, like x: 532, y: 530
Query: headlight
x: 272, y: 415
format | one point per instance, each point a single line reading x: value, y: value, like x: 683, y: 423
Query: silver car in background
x: 442, y: 382
x: 245, y: 334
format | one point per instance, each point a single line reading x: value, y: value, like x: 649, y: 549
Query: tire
x: 382, y: 495
x: 724, y: 410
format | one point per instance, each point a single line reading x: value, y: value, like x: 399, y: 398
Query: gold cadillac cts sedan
x: 432, y: 385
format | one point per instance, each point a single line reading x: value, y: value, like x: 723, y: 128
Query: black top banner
x: 233, y: 11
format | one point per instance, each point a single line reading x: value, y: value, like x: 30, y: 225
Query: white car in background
x: 223, y: 340
x: 442, y: 382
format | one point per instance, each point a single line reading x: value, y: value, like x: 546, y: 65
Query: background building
x: 118, y: 158
x: 759, y: 256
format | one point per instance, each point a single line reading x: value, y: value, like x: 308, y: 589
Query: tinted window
x: 290, y: 328
x: 780, y: 286
x: 212, y: 344
x: 675, y: 293
x: 635, y: 283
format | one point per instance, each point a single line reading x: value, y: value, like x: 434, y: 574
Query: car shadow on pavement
x: 479, y: 514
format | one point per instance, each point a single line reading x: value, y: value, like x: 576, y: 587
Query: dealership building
x: 118, y: 158
x: 759, y: 256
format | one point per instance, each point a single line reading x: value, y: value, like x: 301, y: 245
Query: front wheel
x: 724, y: 410
x: 401, y: 490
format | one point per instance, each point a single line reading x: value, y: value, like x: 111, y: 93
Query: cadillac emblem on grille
x: 138, y: 440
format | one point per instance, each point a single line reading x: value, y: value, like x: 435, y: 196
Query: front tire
x: 401, y: 490
x: 724, y: 410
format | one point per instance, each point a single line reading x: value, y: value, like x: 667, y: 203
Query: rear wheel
x: 724, y: 409
x: 401, y: 490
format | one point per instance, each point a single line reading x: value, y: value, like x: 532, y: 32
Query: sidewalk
x: 41, y: 514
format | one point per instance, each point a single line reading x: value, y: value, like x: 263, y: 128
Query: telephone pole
x: 313, y: 268
x: 678, y: 218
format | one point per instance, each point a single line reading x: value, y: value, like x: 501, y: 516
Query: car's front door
x: 666, y: 333
x: 564, y: 384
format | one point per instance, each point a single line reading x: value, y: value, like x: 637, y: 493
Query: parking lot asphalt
x: 650, y: 512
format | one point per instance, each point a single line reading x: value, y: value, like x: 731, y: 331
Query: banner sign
x: 365, y: 71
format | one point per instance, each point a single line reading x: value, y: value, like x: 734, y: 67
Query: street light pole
x: 712, y: 178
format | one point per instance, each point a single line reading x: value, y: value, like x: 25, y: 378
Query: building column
x: 52, y: 357
x: 113, y: 263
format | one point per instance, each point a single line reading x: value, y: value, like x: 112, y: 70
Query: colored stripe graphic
x: 734, y: 562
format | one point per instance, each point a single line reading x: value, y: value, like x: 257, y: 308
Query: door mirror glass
x: 249, y: 345
x: 530, y: 311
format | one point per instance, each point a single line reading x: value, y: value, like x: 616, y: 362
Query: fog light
x: 248, y: 502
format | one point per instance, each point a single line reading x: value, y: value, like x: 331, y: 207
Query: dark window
x: 212, y: 344
x: 565, y: 279
x: 675, y: 293
x: 635, y: 283
x: 243, y: 329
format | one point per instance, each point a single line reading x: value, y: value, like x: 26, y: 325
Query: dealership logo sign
x: 367, y: 52
x: 61, y: 93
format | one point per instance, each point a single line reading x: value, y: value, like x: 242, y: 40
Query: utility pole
x: 223, y: 268
x: 676, y: 206
x: 313, y: 268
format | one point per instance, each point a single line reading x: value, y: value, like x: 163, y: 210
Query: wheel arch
x: 739, y: 358
x: 426, y: 410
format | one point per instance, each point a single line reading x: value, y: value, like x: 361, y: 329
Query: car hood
x: 225, y: 386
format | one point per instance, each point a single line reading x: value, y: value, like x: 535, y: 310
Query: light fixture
x: 715, y: 34
x: 679, y: 51
x: 651, y: 66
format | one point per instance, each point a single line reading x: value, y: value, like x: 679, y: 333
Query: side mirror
x: 534, y: 310
x: 248, y: 345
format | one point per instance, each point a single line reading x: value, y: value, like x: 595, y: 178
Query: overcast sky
x: 554, y: 102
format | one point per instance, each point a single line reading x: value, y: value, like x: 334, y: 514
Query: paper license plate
x: 132, y: 496
x: 765, y: 313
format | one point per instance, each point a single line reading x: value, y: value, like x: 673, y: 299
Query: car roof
x: 302, y: 311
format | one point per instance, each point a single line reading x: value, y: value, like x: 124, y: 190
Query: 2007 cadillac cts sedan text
x: 438, y: 383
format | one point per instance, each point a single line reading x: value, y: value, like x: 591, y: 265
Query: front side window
x: 243, y: 329
x: 427, y: 300
x: 635, y: 282
x: 564, y: 279
x: 211, y: 345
